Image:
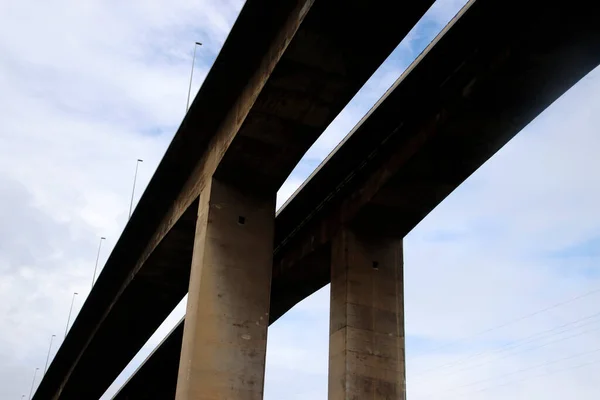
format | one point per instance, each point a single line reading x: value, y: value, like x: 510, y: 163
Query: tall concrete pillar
x: 366, y: 343
x: 225, y: 333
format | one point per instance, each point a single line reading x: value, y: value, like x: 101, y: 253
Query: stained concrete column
x: 225, y: 333
x: 366, y: 343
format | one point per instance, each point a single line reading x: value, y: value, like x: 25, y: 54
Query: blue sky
x: 82, y: 102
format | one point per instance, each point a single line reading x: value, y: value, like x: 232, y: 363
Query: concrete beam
x: 225, y: 335
x: 366, y: 342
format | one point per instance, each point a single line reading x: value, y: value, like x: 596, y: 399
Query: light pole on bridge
x: 97, y: 257
x: 70, y: 311
x: 32, y: 382
x: 133, y: 190
x: 196, y: 44
x: 48, y: 356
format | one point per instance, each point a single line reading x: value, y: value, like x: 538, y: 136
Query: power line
x: 533, y: 338
x: 511, y: 373
x: 527, y: 350
x: 534, y: 377
x: 514, y: 344
x: 529, y: 368
x: 595, y: 291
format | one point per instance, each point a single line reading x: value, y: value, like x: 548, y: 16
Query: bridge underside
x: 269, y: 95
x: 478, y: 84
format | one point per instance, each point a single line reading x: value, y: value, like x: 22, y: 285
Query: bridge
x: 206, y: 225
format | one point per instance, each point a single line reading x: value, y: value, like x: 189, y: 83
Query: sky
x: 502, y: 280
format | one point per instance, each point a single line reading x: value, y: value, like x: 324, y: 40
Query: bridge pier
x: 225, y: 333
x: 366, y: 342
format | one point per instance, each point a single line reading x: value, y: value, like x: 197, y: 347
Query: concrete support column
x: 225, y: 333
x: 366, y: 343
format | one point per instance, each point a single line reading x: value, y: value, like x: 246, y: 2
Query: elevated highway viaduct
x: 286, y: 70
x: 486, y: 76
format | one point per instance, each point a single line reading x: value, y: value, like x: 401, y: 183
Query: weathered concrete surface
x: 225, y: 334
x: 366, y: 342
x: 485, y: 77
x: 257, y: 124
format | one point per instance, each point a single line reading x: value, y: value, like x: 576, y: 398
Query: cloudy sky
x: 502, y: 279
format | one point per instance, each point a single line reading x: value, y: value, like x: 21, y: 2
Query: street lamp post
x: 70, y: 311
x: 196, y: 44
x: 32, y: 382
x: 48, y: 356
x: 97, y: 257
x: 133, y: 190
